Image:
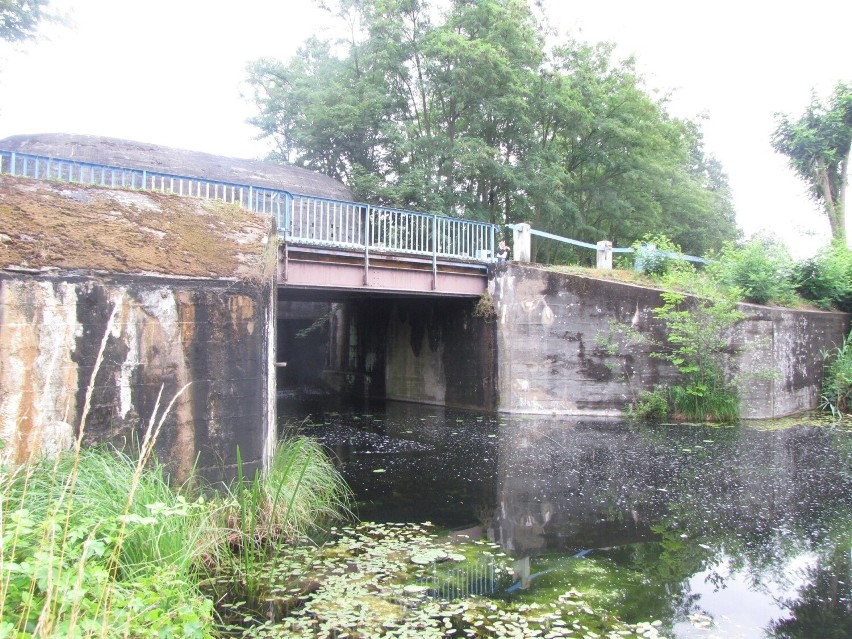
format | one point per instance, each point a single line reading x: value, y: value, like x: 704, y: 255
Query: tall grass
x: 837, y: 380
x: 294, y: 501
x: 94, y: 545
x: 88, y: 551
x: 702, y: 403
x: 160, y: 524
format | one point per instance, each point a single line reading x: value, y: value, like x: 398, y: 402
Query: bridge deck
x: 329, y: 244
x: 303, y: 267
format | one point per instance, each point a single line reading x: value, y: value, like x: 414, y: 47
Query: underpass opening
x: 339, y: 348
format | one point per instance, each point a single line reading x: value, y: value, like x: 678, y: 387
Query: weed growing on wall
x: 837, y: 381
x: 485, y: 307
x: 698, y: 346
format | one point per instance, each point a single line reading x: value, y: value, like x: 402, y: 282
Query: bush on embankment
x: 761, y: 271
x: 96, y: 544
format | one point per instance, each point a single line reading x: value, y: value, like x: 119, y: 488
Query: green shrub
x: 652, y: 405
x: 650, y: 254
x: 826, y: 278
x: 698, y: 338
x: 761, y: 269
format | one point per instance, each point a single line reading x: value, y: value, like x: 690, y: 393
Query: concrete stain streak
x: 37, y: 333
x: 163, y: 338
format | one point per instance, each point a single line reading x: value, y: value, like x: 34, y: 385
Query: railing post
x: 288, y: 214
x: 366, y: 210
x: 605, y: 255
x: 288, y: 204
x: 522, y: 242
x: 434, y: 251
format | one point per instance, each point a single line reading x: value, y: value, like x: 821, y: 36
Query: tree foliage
x: 19, y: 19
x: 469, y: 113
x: 817, y: 146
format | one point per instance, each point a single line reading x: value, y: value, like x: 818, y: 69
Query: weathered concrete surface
x: 781, y: 359
x: 192, y: 291
x: 157, y: 336
x: 440, y: 353
x: 563, y: 347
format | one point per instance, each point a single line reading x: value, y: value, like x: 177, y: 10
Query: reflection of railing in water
x: 480, y: 578
x: 301, y: 219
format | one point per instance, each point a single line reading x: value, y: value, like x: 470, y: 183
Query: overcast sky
x: 170, y: 72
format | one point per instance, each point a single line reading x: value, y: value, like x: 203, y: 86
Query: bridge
x: 326, y: 244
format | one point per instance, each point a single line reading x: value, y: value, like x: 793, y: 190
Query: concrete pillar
x: 522, y: 243
x: 605, y: 255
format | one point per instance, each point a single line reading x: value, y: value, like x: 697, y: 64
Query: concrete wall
x: 563, y: 347
x: 440, y: 353
x: 160, y: 333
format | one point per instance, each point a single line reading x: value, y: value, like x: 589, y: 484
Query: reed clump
x: 96, y: 543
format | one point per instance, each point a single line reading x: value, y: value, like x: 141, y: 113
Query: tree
x: 19, y: 19
x: 467, y: 113
x: 817, y: 146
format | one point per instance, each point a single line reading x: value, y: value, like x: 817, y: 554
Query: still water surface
x: 720, y: 532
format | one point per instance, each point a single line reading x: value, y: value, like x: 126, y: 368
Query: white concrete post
x: 605, y: 255
x: 522, y: 243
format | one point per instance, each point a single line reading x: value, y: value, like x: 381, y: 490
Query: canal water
x: 727, y: 533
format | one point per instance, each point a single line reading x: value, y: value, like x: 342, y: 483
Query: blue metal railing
x: 336, y: 223
x: 302, y: 219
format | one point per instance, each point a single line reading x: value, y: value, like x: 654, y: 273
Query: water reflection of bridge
x: 325, y: 243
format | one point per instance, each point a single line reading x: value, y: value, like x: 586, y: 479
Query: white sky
x: 169, y: 72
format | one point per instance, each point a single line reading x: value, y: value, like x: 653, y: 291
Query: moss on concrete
x: 55, y: 225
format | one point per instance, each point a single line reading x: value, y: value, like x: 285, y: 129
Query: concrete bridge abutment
x: 575, y: 345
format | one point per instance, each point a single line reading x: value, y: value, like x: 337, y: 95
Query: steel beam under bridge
x: 320, y: 268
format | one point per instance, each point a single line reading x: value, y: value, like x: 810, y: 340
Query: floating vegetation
x: 648, y: 521
x: 812, y: 418
x: 402, y: 580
